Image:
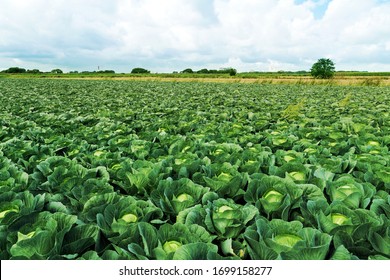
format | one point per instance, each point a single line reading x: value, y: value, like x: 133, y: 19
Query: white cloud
x: 175, y: 34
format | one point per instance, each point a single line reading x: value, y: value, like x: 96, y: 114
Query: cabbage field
x: 188, y: 170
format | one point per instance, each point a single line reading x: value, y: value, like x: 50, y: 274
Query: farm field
x: 340, y: 78
x: 98, y: 169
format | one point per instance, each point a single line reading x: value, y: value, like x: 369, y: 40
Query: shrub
x: 323, y: 69
x: 139, y: 71
x: 15, y: 70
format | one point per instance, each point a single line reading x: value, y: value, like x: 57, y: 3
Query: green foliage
x: 293, y: 110
x: 277, y: 239
x: 232, y: 72
x: 56, y: 71
x: 345, y: 101
x: 324, y: 69
x: 14, y: 70
x: 139, y: 70
x: 203, y: 71
x: 156, y: 170
x: 106, y: 71
x: 188, y: 70
x: 34, y: 71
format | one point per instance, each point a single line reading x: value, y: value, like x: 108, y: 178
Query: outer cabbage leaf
x: 175, y: 196
x: 278, y: 239
x: 172, y: 237
x: 227, y: 219
x: 44, y: 237
x: 350, y: 192
x: 274, y: 196
x: 195, y: 251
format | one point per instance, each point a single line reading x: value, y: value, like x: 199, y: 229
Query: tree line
x: 18, y: 70
x: 324, y: 68
x: 137, y: 70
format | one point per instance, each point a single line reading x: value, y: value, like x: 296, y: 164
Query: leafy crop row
x: 154, y: 170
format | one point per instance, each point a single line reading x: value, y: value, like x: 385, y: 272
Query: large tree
x: 323, y: 69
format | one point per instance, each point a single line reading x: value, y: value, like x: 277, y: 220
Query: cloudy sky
x: 171, y: 35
